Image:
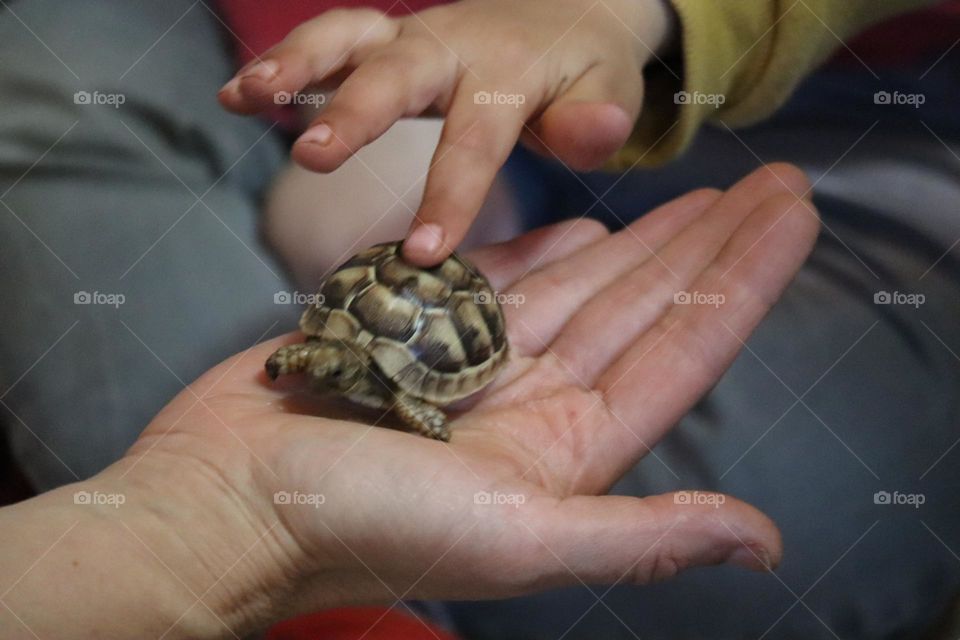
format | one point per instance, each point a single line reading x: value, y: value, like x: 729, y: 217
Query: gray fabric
x: 101, y: 213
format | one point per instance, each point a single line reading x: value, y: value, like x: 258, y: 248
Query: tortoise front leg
x: 292, y: 358
x: 423, y: 417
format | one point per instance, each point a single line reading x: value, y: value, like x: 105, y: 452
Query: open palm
x: 604, y: 362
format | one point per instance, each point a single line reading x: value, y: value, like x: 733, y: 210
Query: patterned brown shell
x: 437, y: 333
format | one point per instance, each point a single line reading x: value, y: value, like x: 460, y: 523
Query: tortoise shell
x: 437, y: 333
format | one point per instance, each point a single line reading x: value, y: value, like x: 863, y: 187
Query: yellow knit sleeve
x: 741, y: 59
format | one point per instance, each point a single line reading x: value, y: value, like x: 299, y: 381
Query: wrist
x: 73, y: 568
x: 653, y: 23
x: 211, y: 535
x: 121, y: 556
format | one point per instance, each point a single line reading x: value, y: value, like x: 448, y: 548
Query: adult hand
x: 262, y: 512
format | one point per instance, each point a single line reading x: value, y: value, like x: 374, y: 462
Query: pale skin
x: 603, y: 365
x: 573, y: 68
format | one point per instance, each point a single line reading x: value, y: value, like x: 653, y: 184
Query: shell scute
x: 344, y: 284
x: 384, y: 313
x: 437, y: 344
x: 413, y: 283
x: 472, y: 328
x: 455, y: 271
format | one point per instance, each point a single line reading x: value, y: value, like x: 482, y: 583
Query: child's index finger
x: 478, y: 136
x: 425, y: 245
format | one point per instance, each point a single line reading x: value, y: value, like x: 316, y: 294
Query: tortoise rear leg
x: 423, y: 417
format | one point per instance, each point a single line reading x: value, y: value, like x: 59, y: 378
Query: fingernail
x: 426, y: 239
x: 321, y: 134
x: 266, y: 70
x: 752, y: 557
x: 231, y: 87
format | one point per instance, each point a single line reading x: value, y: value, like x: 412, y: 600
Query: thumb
x: 619, y: 539
x: 592, y: 120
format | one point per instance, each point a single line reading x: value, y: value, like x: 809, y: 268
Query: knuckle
x: 588, y: 228
x: 779, y: 174
x: 396, y: 72
x: 660, y: 567
x: 361, y: 95
x: 474, y: 139
x: 705, y: 195
x: 517, y: 48
x: 335, y: 19
x: 417, y: 47
x: 352, y: 122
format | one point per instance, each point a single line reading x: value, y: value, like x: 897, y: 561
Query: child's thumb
x: 592, y: 120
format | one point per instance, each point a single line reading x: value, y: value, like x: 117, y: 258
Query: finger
x: 625, y: 540
x: 633, y: 302
x: 553, y: 292
x: 312, y: 52
x: 591, y: 120
x: 696, y: 343
x: 552, y: 296
x: 399, y: 80
x: 505, y: 262
x: 476, y: 140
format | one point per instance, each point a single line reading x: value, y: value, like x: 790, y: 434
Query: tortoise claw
x: 272, y: 367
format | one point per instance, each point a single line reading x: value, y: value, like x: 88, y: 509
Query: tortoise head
x: 332, y: 365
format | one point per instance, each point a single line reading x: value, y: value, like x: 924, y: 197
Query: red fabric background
x: 356, y: 622
x: 923, y: 35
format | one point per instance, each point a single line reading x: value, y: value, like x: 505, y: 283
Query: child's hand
x: 565, y: 75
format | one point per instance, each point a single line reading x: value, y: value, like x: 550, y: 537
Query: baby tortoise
x: 389, y: 335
